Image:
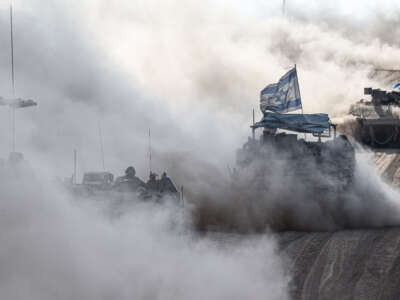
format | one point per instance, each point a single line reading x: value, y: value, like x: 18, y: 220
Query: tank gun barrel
x: 387, y: 70
x: 380, y: 97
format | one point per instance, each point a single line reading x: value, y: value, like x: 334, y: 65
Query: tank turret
x: 377, y: 124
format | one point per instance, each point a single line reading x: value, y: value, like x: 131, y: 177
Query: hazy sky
x: 190, y: 70
x: 357, y: 9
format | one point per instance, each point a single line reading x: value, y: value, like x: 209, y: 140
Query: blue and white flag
x: 283, y: 96
x: 396, y: 87
x: 307, y: 123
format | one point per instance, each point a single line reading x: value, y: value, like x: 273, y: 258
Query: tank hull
x: 314, y: 166
x: 378, y: 133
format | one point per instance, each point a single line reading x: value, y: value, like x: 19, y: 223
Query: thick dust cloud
x: 192, y: 73
x: 54, y: 247
x: 278, y: 194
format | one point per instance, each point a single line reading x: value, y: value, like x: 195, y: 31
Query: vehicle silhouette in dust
x: 321, y: 161
x: 377, y: 121
x: 101, y: 185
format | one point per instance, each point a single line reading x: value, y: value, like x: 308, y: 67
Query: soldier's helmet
x: 153, y: 176
x: 130, y: 172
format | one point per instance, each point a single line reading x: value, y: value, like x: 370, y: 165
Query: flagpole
x: 298, y: 85
x: 75, y: 160
x: 101, y: 144
x: 253, y: 129
x: 150, y: 151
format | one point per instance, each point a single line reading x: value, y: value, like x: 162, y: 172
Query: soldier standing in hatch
x: 130, y: 181
x: 152, y: 183
x: 135, y: 182
x: 166, y: 184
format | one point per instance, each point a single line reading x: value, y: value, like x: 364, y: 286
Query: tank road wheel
x: 365, y: 136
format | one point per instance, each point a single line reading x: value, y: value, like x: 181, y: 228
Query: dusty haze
x: 192, y: 73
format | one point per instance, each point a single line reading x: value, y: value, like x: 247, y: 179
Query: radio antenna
x: 75, y: 161
x: 149, y: 151
x: 12, y: 49
x: 12, y: 76
x: 283, y: 7
x: 101, y: 145
x: 253, y: 130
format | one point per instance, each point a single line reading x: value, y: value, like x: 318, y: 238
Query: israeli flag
x: 396, y: 87
x: 283, y: 96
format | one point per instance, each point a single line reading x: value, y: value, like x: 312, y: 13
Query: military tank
x: 377, y: 124
x: 297, y: 158
x: 319, y: 162
x: 278, y: 168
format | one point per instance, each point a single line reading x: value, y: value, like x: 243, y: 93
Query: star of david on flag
x: 283, y: 96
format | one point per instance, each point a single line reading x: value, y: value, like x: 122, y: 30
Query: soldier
x: 130, y: 175
x: 130, y: 181
x: 166, y: 184
x: 152, y: 183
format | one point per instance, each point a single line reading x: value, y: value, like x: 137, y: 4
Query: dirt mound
x: 362, y: 264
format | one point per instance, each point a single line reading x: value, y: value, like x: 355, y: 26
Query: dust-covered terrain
x: 346, y: 264
x: 388, y: 166
x: 349, y: 264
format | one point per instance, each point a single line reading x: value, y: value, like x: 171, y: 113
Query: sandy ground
x: 388, y: 166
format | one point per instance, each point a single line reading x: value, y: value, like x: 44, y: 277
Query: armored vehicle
x: 102, y: 186
x: 310, y: 163
x: 298, y: 158
x: 377, y: 122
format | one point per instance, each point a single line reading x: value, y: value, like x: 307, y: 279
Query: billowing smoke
x: 192, y: 73
x: 54, y: 247
x: 278, y: 191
